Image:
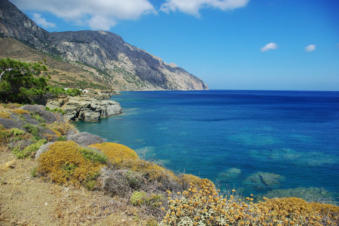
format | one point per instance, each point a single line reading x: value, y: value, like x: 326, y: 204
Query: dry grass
x: 116, y: 153
x: 63, y: 163
x: 61, y: 128
x: 19, y: 111
x: 149, y: 169
x: 203, y: 205
x: 25, y: 200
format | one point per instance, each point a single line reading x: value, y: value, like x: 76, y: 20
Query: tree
x: 22, y: 82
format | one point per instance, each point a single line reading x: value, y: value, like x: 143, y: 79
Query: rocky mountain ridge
x: 124, y: 66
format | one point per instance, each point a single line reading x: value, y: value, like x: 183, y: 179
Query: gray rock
x: 229, y: 175
x: 86, y: 108
x: 9, y: 123
x: 29, y: 119
x: 311, y: 194
x: 263, y: 180
x: 42, y: 149
x: 85, y: 139
x: 49, y: 117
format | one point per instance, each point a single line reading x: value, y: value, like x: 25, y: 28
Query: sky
x: 229, y: 44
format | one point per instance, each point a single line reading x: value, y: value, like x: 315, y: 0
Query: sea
x: 267, y: 143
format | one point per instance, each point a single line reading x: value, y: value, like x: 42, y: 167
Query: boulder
x: 42, y: 149
x: 85, y: 139
x: 85, y: 108
x: 49, y: 117
x: 263, y: 180
x: 9, y: 123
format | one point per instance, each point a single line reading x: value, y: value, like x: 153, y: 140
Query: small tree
x: 22, y: 82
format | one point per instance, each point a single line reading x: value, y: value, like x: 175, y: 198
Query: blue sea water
x: 229, y: 136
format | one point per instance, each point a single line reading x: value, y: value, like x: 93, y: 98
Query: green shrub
x: 29, y: 150
x: 34, y: 130
x: 61, y: 138
x: 138, y: 198
x: 16, y: 132
x: 57, y: 110
x: 38, y: 117
x: 22, y: 82
x: 34, y: 172
x: 93, y: 155
x: 73, y: 92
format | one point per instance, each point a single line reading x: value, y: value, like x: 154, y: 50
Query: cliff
x: 121, y: 65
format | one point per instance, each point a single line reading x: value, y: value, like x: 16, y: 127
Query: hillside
x: 50, y: 174
x: 62, y: 73
x: 121, y: 65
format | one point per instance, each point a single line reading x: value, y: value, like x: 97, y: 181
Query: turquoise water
x: 290, y: 138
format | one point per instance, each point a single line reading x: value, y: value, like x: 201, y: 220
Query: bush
x: 73, y: 92
x: 4, y: 113
x: 187, y: 179
x: 34, y: 130
x: 202, y: 205
x: 20, y: 111
x: 27, y: 83
x: 63, y: 163
x: 93, y: 155
x: 22, y: 82
x: 16, y: 132
x: 116, y: 153
x: 139, y: 198
x: 61, y: 128
x: 151, y: 171
x: 29, y: 150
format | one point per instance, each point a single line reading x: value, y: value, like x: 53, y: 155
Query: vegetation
x: 143, y: 183
x: 22, y: 82
x: 116, y: 153
x: 202, y: 205
x: 93, y: 155
x: 27, y: 83
x: 60, y: 128
x: 150, y: 170
x: 139, y: 198
x: 29, y: 150
x: 63, y: 163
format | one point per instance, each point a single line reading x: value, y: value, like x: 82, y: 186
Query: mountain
x: 62, y: 73
x: 122, y: 66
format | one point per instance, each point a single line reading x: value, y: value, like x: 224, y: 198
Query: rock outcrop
x: 85, y: 108
x: 121, y: 65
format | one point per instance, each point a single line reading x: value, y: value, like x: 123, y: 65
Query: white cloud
x: 193, y: 6
x: 42, y: 21
x: 269, y: 46
x: 98, y: 14
x: 310, y: 48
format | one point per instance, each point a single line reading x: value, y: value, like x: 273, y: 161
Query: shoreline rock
x: 85, y: 108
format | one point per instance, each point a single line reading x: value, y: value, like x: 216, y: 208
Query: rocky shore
x: 89, y: 107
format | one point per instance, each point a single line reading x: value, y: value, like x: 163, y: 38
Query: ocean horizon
x: 263, y: 142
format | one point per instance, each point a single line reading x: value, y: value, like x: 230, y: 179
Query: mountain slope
x: 62, y: 73
x: 123, y: 66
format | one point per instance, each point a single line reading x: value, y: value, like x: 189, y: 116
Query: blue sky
x: 220, y: 41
